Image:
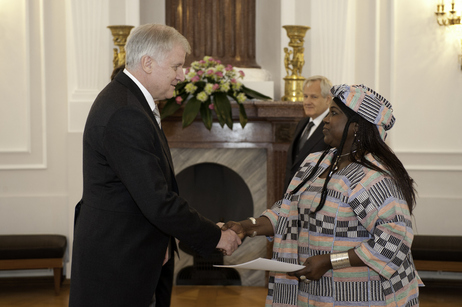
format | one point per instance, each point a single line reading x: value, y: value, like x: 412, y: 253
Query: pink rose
x: 210, y: 72
x: 233, y: 80
x: 187, y: 71
x: 216, y: 86
x: 218, y: 61
x: 242, y: 73
x: 211, y: 107
x: 178, y: 99
x: 229, y: 67
x: 200, y: 72
x: 219, y: 74
x: 202, y: 61
x: 195, y: 79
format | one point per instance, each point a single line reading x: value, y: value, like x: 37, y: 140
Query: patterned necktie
x: 304, y: 136
x: 157, y: 114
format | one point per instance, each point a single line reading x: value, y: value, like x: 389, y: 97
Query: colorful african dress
x: 363, y: 210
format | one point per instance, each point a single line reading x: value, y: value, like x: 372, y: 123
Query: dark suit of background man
x: 130, y: 210
x: 306, y: 140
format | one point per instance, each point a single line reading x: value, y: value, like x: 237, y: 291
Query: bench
x: 437, y: 253
x: 24, y: 252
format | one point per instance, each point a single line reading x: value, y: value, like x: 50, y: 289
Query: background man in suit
x: 130, y: 210
x: 308, y: 135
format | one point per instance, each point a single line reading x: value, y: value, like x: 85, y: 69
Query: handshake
x: 232, y: 234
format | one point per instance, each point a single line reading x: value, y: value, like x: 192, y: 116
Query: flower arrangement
x: 206, y: 88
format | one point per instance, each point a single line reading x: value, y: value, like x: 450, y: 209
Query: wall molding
x: 439, y: 161
x: 34, y: 155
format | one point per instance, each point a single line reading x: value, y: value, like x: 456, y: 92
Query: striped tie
x: 304, y: 136
x: 157, y: 114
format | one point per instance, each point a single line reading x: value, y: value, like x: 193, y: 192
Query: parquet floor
x: 41, y: 294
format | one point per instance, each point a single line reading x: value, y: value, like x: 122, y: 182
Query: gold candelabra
x: 446, y: 18
x: 294, y: 61
x: 120, y: 34
x: 449, y: 18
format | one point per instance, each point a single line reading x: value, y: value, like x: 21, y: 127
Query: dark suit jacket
x: 130, y: 207
x: 314, y: 144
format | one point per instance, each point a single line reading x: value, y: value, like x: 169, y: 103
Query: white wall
x: 33, y: 180
x: 60, y: 58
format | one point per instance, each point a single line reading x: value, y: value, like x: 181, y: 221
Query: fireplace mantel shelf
x: 260, y: 109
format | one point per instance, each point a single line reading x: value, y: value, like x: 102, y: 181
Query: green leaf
x: 180, y: 86
x: 223, y: 109
x: 190, y: 111
x: 206, y: 114
x: 170, y: 107
x: 254, y: 94
x: 242, y: 115
x: 200, y: 85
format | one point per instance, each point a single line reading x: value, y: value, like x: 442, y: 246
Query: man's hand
x: 236, y: 227
x: 229, y: 242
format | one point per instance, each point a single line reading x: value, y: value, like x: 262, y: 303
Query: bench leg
x: 58, y: 272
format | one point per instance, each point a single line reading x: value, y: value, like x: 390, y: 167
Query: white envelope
x: 265, y: 265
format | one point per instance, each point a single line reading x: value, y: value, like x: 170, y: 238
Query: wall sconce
x: 448, y: 18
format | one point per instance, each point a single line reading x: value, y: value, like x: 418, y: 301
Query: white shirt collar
x: 147, y: 95
x: 317, y: 121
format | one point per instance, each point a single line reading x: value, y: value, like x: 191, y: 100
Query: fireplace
x: 253, y: 158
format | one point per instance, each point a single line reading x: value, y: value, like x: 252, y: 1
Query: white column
x: 89, y: 57
x: 333, y: 40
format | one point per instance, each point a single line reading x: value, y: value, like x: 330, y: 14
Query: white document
x: 265, y: 265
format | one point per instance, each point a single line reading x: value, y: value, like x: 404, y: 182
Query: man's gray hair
x: 325, y: 84
x: 154, y: 40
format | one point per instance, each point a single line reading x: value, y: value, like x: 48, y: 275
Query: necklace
x: 338, y: 160
x: 347, y: 154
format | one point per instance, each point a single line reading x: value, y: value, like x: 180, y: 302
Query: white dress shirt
x: 147, y: 95
x: 317, y: 121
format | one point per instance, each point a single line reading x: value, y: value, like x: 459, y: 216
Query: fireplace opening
x: 221, y: 195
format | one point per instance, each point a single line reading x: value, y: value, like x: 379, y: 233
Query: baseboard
x: 30, y: 280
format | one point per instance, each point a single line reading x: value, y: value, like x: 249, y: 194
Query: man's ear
x: 147, y: 64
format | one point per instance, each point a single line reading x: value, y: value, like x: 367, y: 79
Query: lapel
x: 125, y: 80
x: 300, y: 128
x: 298, y: 131
x: 314, y: 139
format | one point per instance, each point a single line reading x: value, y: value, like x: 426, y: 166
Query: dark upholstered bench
x: 437, y: 253
x: 23, y: 252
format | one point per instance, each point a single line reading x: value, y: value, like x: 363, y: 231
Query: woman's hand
x: 315, y: 267
x: 236, y: 227
x: 247, y: 228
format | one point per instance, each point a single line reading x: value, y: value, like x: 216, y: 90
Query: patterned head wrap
x: 368, y: 104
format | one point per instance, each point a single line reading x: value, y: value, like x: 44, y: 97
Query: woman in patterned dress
x: 346, y: 215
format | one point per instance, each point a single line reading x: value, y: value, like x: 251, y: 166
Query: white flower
x: 237, y: 86
x: 190, y: 88
x: 202, y: 96
x: 196, y: 65
x: 209, y: 88
x: 224, y: 86
x: 220, y: 67
x: 241, y: 97
x: 191, y: 74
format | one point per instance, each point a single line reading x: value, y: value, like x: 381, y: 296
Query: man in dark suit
x: 308, y: 135
x: 130, y: 211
